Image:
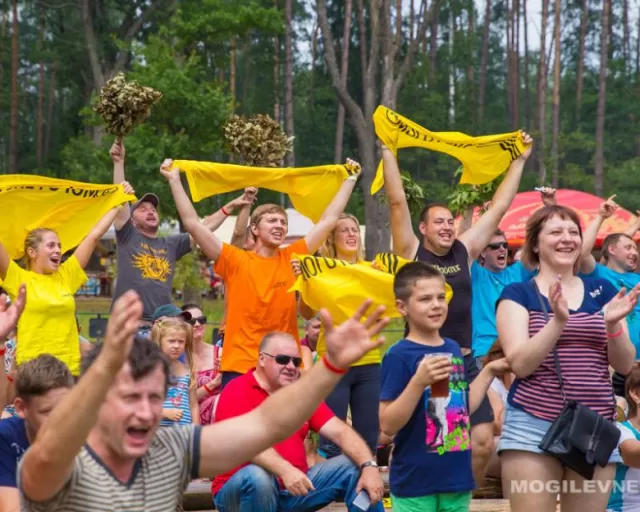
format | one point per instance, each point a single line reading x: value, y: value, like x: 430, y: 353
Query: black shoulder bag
x: 580, y: 437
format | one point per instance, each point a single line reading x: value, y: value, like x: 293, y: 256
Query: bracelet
x: 3, y: 349
x: 209, y: 391
x: 616, y: 334
x: 224, y: 211
x: 9, y: 378
x: 331, y: 368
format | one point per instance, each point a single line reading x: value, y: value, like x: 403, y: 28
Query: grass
x: 88, y: 308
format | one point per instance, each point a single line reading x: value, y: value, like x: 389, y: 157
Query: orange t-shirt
x: 258, y: 301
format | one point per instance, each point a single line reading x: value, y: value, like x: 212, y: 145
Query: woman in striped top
x: 587, y: 326
x: 174, y: 337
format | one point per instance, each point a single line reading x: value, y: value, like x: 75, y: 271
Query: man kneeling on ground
x: 279, y: 479
x: 41, y: 384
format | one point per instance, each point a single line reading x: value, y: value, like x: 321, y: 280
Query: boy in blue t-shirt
x: 431, y: 467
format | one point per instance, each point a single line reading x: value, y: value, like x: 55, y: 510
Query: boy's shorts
x: 445, y: 502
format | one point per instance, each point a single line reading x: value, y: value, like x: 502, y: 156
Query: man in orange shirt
x: 257, y: 282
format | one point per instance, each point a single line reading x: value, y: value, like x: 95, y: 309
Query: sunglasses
x: 284, y: 360
x: 497, y: 246
x: 201, y: 320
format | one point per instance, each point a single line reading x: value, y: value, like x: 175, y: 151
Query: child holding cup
x: 425, y: 401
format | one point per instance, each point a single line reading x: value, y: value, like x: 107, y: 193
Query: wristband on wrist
x: 3, y: 349
x: 332, y: 368
x: 616, y: 334
x: 9, y: 378
x: 224, y: 211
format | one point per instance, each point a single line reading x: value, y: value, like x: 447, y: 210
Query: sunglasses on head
x: 200, y: 319
x: 497, y: 245
x: 284, y: 359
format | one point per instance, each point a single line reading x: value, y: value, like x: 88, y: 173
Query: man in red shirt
x: 279, y: 478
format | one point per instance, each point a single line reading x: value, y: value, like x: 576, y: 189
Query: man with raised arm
x: 101, y: 448
x: 146, y: 262
x: 257, y: 282
x: 620, y: 257
x: 438, y: 246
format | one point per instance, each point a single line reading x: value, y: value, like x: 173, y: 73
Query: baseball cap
x: 171, y: 311
x: 147, y: 198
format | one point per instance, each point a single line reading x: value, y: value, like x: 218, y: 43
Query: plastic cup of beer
x: 440, y: 389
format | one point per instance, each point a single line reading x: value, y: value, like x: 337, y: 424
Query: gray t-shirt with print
x: 147, y: 265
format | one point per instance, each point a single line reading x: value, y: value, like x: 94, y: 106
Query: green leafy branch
x: 466, y: 196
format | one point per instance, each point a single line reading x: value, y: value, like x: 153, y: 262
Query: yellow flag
x: 310, y: 189
x: 341, y: 287
x: 71, y: 208
x: 483, y: 158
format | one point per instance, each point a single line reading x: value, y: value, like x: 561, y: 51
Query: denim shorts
x: 524, y: 432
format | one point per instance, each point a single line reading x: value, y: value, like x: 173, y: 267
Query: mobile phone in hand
x: 362, y: 501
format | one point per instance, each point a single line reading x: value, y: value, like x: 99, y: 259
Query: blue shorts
x: 524, y: 432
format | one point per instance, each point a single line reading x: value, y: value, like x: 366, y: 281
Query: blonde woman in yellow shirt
x: 48, y: 323
x: 359, y: 389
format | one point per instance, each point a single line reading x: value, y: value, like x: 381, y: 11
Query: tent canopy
x: 585, y: 205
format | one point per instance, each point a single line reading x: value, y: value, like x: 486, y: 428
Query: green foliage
x: 187, y: 274
x: 466, y: 196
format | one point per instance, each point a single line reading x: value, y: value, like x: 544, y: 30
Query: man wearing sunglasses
x: 279, y: 478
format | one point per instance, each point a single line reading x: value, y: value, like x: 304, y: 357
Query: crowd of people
x: 475, y: 387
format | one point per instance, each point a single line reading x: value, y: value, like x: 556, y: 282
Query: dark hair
x: 145, y: 357
x: 424, y: 214
x: 186, y: 307
x: 499, y: 232
x: 536, y: 222
x: 610, y: 241
x: 40, y: 375
x: 409, y: 274
x: 632, y: 384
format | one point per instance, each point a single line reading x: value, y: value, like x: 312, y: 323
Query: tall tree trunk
x: 344, y: 69
x: 581, y: 56
x: 470, y: 35
x: 290, y: 159
x: 412, y: 19
x: 508, y: 65
x: 41, y: 79
x: 13, y: 136
x: 541, y: 92
x: 51, y: 101
x: 484, y: 57
x: 232, y: 73
x: 638, y: 48
x: 527, y: 92
x: 602, y: 98
x: 556, y: 95
x: 276, y: 74
x: 433, y: 45
x: 516, y: 64
x: 626, y: 43
x: 314, y: 57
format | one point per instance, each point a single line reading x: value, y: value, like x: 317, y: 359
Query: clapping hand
x: 351, y: 340
x: 9, y: 315
x: 121, y: 329
x: 558, y: 302
x: 621, y: 305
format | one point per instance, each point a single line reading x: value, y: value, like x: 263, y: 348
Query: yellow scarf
x: 310, y: 189
x: 341, y: 287
x: 483, y: 158
x: 70, y: 208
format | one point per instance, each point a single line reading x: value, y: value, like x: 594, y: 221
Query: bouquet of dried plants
x: 124, y: 104
x: 258, y: 141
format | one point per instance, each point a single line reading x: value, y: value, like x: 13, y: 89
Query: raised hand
x: 433, y: 369
x: 250, y: 194
x: 9, y: 315
x: 621, y: 305
x: 117, y: 152
x: 128, y: 189
x: 352, y: 339
x: 608, y: 208
x: 548, y: 196
x: 526, y: 138
x: 558, y: 302
x: 121, y: 329
x: 167, y: 170
x: 355, y: 167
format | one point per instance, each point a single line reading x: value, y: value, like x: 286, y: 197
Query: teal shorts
x: 445, y: 502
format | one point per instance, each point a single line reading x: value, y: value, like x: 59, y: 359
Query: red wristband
x: 3, y: 349
x: 331, y: 368
x: 616, y: 334
x: 224, y: 211
x: 9, y: 378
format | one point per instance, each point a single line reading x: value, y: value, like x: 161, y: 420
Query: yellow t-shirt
x: 372, y: 357
x: 48, y: 323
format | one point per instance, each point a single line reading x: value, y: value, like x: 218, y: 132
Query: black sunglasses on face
x: 497, y: 245
x: 200, y: 319
x: 284, y: 360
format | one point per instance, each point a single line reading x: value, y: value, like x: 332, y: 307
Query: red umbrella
x: 585, y: 205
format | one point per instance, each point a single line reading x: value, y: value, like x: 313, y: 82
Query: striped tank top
x: 582, y: 351
x: 178, y: 398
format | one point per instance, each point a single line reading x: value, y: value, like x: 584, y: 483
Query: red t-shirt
x: 243, y: 394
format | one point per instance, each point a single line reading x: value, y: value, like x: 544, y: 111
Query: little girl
x: 174, y: 337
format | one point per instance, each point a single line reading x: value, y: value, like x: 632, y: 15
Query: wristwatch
x: 369, y: 463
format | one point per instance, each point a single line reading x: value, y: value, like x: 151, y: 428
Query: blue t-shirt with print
x: 627, y: 280
x: 487, y: 287
x: 432, y: 452
x: 13, y: 444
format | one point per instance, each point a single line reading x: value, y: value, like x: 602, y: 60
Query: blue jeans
x: 254, y: 489
x: 359, y: 389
